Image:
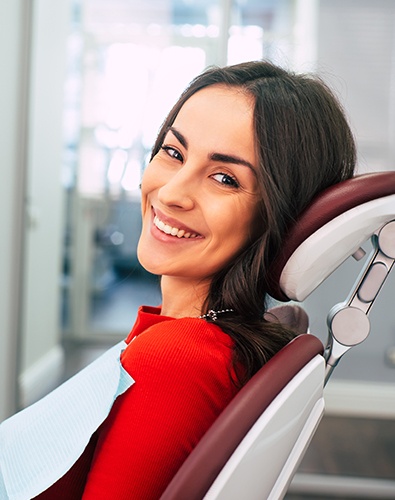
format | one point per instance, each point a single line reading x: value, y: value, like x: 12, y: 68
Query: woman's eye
x: 226, y: 179
x: 172, y: 152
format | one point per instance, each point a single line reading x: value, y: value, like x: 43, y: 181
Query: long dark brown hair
x: 304, y: 144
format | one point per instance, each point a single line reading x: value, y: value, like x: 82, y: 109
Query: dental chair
x: 253, y: 449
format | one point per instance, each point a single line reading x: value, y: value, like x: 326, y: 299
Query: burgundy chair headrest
x: 327, y: 205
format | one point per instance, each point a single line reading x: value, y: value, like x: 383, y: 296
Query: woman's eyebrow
x: 224, y: 158
x: 221, y: 157
x: 181, y: 139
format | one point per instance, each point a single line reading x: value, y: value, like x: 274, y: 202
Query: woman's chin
x: 147, y: 263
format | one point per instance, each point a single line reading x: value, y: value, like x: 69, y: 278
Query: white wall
x: 42, y: 355
x: 14, y: 29
x: 33, y: 58
x: 356, y: 55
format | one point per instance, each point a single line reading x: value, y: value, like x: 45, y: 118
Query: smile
x: 173, y: 231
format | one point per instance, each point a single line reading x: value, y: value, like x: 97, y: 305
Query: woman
x: 240, y: 155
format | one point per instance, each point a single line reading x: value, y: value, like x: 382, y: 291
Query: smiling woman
x: 240, y: 155
x: 202, y: 186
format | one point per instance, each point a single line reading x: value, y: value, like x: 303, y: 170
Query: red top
x: 183, y: 374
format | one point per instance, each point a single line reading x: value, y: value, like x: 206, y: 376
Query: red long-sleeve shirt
x: 183, y: 379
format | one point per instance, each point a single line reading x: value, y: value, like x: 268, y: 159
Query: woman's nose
x: 179, y: 190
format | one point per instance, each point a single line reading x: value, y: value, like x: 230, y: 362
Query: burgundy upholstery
x: 331, y: 203
x: 203, y: 465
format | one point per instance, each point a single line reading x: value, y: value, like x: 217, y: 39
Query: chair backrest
x: 203, y: 466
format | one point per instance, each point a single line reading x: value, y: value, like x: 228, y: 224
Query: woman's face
x: 200, y: 191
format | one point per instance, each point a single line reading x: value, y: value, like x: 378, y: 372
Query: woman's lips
x: 173, y: 227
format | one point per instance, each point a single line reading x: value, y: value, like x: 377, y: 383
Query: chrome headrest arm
x: 348, y: 322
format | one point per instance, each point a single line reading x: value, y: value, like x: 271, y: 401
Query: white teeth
x: 180, y: 233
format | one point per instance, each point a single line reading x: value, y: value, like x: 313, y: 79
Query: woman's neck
x: 182, y: 297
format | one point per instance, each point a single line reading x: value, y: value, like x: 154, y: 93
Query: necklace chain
x: 213, y: 315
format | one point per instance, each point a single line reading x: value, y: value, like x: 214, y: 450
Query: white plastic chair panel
x: 320, y: 254
x: 264, y: 463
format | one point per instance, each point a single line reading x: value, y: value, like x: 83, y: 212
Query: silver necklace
x: 213, y: 315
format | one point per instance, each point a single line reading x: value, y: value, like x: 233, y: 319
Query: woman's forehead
x: 219, y: 110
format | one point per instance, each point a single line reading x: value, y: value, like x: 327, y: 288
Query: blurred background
x: 85, y: 85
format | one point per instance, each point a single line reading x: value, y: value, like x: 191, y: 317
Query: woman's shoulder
x: 188, y: 329
x: 179, y: 341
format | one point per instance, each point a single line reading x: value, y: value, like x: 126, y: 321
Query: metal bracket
x: 348, y: 322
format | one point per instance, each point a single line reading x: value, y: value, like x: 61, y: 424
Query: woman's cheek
x: 153, y: 173
x: 147, y: 181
